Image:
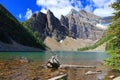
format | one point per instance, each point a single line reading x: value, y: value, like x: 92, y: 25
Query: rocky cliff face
x: 81, y: 25
x: 54, y: 27
x: 47, y: 25
x: 37, y: 23
x: 77, y: 24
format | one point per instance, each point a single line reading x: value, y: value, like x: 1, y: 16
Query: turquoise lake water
x: 66, y: 57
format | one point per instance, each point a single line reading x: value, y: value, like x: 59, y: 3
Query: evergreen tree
x: 113, y: 46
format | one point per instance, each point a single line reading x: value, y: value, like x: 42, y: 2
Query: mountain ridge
x: 72, y: 25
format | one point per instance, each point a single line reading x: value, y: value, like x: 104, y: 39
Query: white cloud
x: 58, y: 7
x: 63, y: 7
x: 43, y: 10
x: 20, y: 16
x: 58, y: 12
x: 103, y: 12
x: 101, y: 26
x: 103, y: 8
x: 28, y: 13
x: 100, y: 3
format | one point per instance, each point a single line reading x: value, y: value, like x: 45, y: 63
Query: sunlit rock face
x: 82, y: 25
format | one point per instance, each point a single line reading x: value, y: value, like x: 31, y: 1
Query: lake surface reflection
x: 64, y: 56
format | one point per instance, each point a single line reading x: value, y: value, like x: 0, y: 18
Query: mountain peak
x: 49, y: 11
x: 50, y: 14
x: 83, y: 11
x: 73, y: 11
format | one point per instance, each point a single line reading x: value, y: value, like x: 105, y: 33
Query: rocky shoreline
x: 23, y: 69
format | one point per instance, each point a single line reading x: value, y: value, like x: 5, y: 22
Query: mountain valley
x: 75, y: 30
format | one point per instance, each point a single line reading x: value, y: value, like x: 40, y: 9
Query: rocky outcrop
x: 64, y: 21
x: 54, y: 27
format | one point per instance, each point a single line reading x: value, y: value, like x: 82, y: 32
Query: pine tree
x: 114, y: 44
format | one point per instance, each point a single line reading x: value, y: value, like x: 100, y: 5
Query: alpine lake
x: 28, y: 65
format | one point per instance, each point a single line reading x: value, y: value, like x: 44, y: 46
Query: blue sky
x: 23, y: 9
x: 17, y: 7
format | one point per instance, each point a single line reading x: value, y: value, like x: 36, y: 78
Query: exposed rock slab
x: 117, y: 78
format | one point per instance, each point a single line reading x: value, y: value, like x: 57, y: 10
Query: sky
x: 23, y: 9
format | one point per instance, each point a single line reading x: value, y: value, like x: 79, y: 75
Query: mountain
x: 13, y: 32
x: 47, y: 25
x: 82, y: 24
x: 85, y: 16
x: 77, y: 24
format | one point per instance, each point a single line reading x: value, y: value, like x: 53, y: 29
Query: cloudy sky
x: 23, y: 9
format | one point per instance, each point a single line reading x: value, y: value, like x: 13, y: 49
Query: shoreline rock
x: 117, y: 78
x: 111, y: 76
